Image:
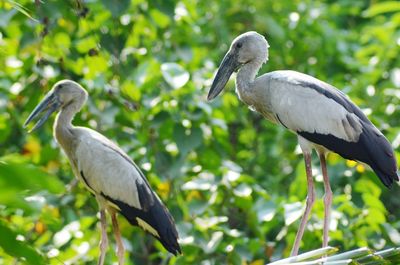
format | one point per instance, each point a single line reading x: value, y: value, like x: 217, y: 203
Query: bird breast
x: 304, y: 109
x: 257, y: 99
x: 107, y: 170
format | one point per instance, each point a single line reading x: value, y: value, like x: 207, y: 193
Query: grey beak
x: 228, y: 65
x: 49, y: 103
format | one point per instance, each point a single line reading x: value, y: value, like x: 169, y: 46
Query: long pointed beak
x: 228, y: 65
x: 49, y: 103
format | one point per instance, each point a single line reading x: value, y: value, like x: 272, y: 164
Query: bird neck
x: 245, y: 77
x: 63, y: 124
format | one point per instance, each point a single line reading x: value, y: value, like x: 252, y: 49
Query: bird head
x: 249, y: 47
x: 64, y: 93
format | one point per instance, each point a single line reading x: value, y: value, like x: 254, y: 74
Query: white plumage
x: 91, y: 145
x: 300, y: 108
x: 322, y: 116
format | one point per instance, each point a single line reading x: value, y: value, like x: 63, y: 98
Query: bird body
x: 105, y: 170
x: 323, y: 117
x: 95, y: 173
x: 129, y: 193
x: 300, y: 102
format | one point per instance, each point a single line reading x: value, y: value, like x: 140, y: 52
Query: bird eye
x: 60, y: 86
x: 239, y: 45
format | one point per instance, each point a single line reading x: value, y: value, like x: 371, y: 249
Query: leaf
x: 365, y: 186
x: 197, y: 184
x: 21, y: 9
x: 381, y: 8
x: 274, y: 28
x: 389, y: 254
x: 293, y: 211
x: 187, y: 142
x: 354, y: 257
x: 373, y: 202
x: 5, y: 129
x: 83, y: 45
x: 257, y: 262
x: 216, y: 238
x: 117, y: 7
x: 19, y: 179
x: 314, y: 254
x: 160, y: 18
x: 16, y: 248
x: 140, y: 73
x: 206, y: 223
x: 112, y: 43
x: 243, y: 190
x: 6, y: 16
x: 392, y: 233
x: 205, y: 181
x: 174, y: 74
x: 265, y: 210
x: 16, y: 173
x: 350, y: 254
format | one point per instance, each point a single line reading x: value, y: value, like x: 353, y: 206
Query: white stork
x: 106, y: 171
x: 323, y: 117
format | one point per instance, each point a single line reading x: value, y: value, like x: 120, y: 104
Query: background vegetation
x: 234, y: 182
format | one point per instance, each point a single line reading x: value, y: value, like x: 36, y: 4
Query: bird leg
x: 327, y: 201
x: 120, y: 245
x: 104, y: 239
x: 309, y: 203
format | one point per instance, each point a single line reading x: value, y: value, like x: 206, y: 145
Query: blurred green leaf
x: 174, y: 74
x: 392, y: 233
x: 187, y: 140
x: 381, y: 8
x: 293, y: 211
x: 17, y: 248
x: 219, y: 168
x: 160, y: 18
x: 117, y: 7
x: 20, y: 8
x: 314, y: 254
x: 17, y: 174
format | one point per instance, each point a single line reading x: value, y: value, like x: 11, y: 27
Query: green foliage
x: 14, y: 247
x: 23, y: 178
x: 357, y: 256
x: 234, y: 183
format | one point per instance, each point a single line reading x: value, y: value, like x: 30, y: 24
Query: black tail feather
x: 380, y: 154
x: 154, y: 218
x: 371, y: 148
x: 386, y: 179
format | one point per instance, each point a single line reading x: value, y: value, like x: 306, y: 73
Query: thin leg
x: 104, y: 239
x: 309, y: 204
x: 120, y: 245
x: 327, y: 201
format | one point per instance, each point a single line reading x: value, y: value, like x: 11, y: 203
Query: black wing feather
x: 155, y: 214
x: 333, y: 93
x: 372, y: 147
x: 153, y: 211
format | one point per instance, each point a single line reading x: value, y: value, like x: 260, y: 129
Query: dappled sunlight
x: 234, y: 183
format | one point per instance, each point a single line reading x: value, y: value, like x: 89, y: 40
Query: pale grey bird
x: 106, y: 171
x: 323, y: 117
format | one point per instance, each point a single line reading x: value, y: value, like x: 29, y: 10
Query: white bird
x: 323, y: 117
x: 106, y: 171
